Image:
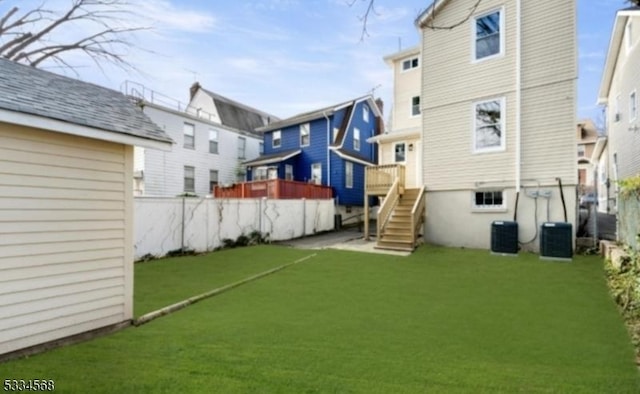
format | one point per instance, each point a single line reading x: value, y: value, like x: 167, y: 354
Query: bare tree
x: 29, y: 36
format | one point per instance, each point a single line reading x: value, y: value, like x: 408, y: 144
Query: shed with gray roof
x: 66, y: 206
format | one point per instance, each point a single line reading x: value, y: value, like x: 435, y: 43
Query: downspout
x: 328, y: 150
x: 518, y: 92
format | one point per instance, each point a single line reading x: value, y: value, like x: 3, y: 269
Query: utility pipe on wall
x: 328, y: 148
x: 518, y: 91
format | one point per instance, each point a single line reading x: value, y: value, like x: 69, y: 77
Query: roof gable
x: 29, y: 91
x: 429, y: 13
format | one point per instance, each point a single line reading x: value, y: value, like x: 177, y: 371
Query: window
x: 365, y: 113
x: 288, y: 172
x: 316, y: 173
x: 488, y: 199
x: 580, y: 150
x: 189, y: 179
x: 488, y: 126
x: 213, y: 141
x: 260, y: 173
x: 335, y: 133
x: 213, y: 179
x: 410, y: 64
x: 348, y: 175
x: 242, y: 147
x: 189, y: 136
x: 633, y: 106
x: 276, y: 139
x: 261, y: 147
x: 400, y: 155
x: 488, y: 40
x: 356, y: 139
x: 415, y: 106
x: 304, y: 134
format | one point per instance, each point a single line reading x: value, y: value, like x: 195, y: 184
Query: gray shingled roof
x: 239, y: 116
x: 273, y: 158
x: 32, y: 91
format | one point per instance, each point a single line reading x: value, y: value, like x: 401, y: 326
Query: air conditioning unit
x: 504, y: 238
x: 556, y: 241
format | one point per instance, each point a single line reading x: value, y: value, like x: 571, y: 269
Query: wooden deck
x: 274, y: 189
x: 379, y: 179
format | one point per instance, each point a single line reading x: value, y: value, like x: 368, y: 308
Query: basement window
x: 488, y: 200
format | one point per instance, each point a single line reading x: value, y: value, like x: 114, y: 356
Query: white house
x: 619, y: 91
x: 209, y: 149
x: 66, y: 205
x: 498, y: 105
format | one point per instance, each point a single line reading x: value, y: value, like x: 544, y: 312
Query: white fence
x: 200, y: 224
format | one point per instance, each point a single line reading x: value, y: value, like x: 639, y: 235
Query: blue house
x: 327, y: 147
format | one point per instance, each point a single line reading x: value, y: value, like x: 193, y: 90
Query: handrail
x: 382, y: 177
x: 416, y: 212
x: 385, y: 210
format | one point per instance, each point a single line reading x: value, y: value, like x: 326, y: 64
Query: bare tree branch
x: 29, y: 38
x: 431, y: 25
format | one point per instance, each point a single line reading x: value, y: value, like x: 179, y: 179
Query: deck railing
x: 417, y: 214
x: 274, y: 189
x: 380, y: 178
x: 388, y: 205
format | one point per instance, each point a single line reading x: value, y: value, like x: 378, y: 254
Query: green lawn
x: 441, y: 320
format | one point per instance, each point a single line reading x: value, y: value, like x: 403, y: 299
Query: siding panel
x: 62, y: 235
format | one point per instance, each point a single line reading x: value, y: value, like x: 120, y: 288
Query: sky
x: 290, y: 56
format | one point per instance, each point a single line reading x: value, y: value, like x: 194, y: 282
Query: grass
x: 441, y: 320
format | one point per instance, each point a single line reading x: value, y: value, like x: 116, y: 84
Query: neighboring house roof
x: 352, y: 157
x: 37, y: 98
x: 273, y: 158
x: 587, y: 132
x: 319, y: 113
x: 615, y: 44
x: 599, y: 149
x: 235, y: 114
x: 389, y: 59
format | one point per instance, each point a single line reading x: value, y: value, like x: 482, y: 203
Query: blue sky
x: 290, y: 56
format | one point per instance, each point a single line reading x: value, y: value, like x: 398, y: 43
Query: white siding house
x: 498, y: 118
x: 66, y: 205
x: 208, y: 150
x: 619, y: 90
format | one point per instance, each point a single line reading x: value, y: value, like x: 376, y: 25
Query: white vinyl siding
x: 66, y: 257
x: 633, y: 106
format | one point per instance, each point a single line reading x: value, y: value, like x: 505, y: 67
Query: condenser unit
x: 504, y: 237
x: 556, y: 241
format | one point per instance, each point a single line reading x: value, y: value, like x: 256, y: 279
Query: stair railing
x: 389, y: 203
x: 417, y: 214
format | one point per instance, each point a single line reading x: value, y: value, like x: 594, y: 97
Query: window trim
x: 405, y: 152
x: 273, y: 139
x: 318, y: 165
x: 308, y: 134
x: 184, y: 135
x: 217, y: 181
x: 214, y: 140
x: 184, y: 179
x: 488, y: 208
x: 503, y: 126
x: 365, y: 113
x: 260, y: 147
x: 288, y: 170
x: 244, y: 148
x: 633, y: 105
x: 411, y: 67
x: 581, y: 149
x: 356, y: 131
x: 348, y: 175
x: 474, y: 37
x: 412, y: 105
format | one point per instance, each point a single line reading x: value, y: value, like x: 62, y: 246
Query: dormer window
x: 488, y: 35
x: 410, y: 64
x: 365, y: 113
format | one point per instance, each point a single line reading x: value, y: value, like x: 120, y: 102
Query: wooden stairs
x: 401, y: 229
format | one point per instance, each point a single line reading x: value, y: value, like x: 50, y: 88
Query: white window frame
x: 336, y: 130
x: 305, y: 131
x: 395, y: 157
x: 213, y: 141
x: 412, y: 107
x: 581, y: 150
x: 212, y: 182
x: 261, y: 147
x: 633, y: 105
x: 356, y: 139
x: 260, y: 173
x: 189, y: 130
x: 365, y: 113
x: 489, y: 208
x: 242, y: 148
x: 503, y: 128
x: 279, y: 139
x: 184, y: 188
x: 317, y: 181
x: 348, y: 175
x: 474, y: 37
x: 288, y: 172
x: 410, y: 61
